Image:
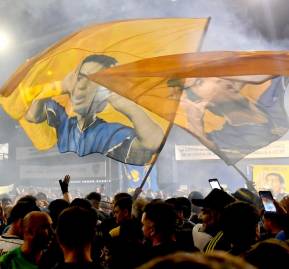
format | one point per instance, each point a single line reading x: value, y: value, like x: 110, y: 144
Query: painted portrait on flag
x: 232, y: 120
x: 232, y: 102
x: 85, y: 133
x: 56, y: 102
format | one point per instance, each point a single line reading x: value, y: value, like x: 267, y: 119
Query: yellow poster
x: 272, y: 177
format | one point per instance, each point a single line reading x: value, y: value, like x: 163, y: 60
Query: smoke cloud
x: 235, y: 25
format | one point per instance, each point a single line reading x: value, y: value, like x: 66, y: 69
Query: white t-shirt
x: 9, y: 242
x: 200, y: 238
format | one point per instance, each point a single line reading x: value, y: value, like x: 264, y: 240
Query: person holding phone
x: 208, y: 235
x: 274, y: 219
x: 273, y: 224
x: 214, y: 182
x: 268, y: 201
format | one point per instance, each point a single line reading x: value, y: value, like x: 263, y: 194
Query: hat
x: 216, y: 199
x: 246, y: 195
x: 195, y: 195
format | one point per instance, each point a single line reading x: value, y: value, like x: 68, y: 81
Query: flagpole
x: 250, y: 184
x: 138, y: 190
x: 147, y: 175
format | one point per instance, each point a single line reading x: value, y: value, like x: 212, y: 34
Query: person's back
x: 53, y: 254
x: 239, y: 225
x: 269, y: 254
x: 36, y: 227
x: 13, y: 238
x: 94, y: 198
x: 273, y: 223
x: 126, y: 250
x: 126, y: 240
x: 75, y: 232
x: 15, y: 259
x: 8, y: 243
x: 184, y: 226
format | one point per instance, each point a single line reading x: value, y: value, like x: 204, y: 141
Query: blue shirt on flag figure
x: 233, y: 123
x: 86, y: 133
x: 134, y: 175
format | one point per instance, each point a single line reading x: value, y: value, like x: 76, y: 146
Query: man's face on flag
x: 211, y: 88
x: 86, y: 95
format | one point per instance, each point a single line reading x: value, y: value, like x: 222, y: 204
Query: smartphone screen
x: 215, y: 183
x: 267, y: 200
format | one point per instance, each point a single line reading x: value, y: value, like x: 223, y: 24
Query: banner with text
x: 83, y: 171
x: 278, y: 149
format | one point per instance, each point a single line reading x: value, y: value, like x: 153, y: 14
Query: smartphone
x: 267, y: 200
x: 214, y: 182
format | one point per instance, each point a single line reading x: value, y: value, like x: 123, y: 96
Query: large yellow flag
x: 233, y: 102
x: 55, y: 102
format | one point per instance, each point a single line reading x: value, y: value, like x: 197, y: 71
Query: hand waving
x: 64, y: 183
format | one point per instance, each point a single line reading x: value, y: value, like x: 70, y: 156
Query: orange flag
x: 227, y: 102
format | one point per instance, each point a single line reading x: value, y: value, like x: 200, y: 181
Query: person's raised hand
x: 64, y: 183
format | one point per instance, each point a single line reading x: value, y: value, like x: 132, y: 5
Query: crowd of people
x: 219, y: 230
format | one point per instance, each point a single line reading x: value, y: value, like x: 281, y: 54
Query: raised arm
x: 149, y: 133
x: 37, y: 110
x: 64, y: 184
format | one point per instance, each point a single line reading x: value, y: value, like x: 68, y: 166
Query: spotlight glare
x: 4, y: 41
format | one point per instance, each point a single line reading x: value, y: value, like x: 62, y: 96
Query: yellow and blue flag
x: 232, y: 102
x: 133, y: 176
x: 55, y: 101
